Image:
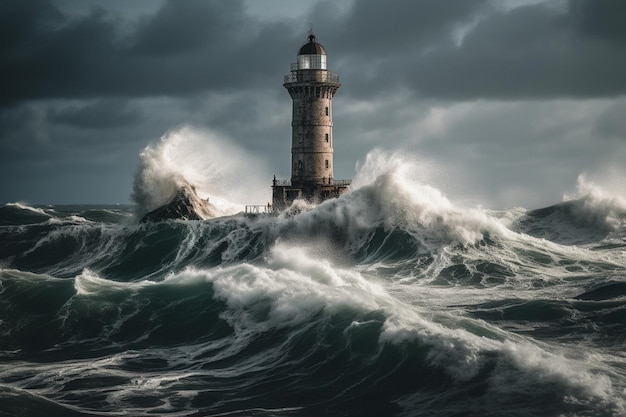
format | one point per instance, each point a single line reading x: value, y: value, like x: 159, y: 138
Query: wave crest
x: 594, y: 206
x: 158, y: 177
x: 388, y: 193
x: 198, y: 159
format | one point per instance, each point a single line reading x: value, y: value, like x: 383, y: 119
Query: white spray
x: 217, y: 169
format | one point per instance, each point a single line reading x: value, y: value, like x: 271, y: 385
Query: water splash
x: 225, y: 174
x: 596, y: 205
x: 398, y: 190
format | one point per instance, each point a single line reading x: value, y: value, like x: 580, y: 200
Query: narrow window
x: 327, y: 137
x: 300, y: 164
x: 326, y: 111
x: 327, y: 164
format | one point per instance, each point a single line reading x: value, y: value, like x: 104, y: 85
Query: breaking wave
x: 190, y: 157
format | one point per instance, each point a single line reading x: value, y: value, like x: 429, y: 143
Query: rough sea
x: 388, y: 301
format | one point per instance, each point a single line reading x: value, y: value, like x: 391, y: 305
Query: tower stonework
x: 311, y: 87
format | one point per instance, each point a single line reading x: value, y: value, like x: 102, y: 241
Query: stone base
x: 284, y: 195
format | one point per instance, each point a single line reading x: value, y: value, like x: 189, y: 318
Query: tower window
x: 327, y: 137
x: 327, y: 164
x: 326, y: 111
x: 300, y: 164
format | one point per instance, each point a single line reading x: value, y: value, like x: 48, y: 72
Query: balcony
x: 325, y: 181
x: 303, y: 76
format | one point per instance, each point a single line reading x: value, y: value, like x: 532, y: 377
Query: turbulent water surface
x: 389, y: 301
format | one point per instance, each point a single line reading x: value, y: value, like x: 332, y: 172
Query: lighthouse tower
x: 311, y: 87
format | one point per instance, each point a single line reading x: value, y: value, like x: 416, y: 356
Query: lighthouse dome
x: 312, y: 47
x: 311, y: 56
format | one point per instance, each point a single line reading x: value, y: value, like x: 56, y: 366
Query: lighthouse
x: 311, y: 87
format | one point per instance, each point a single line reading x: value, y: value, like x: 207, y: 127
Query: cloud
x: 180, y: 27
x: 611, y: 124
x: 529, y: 52
x: 191, y: 46
x: 186, y: 47
x: 468, y: 50
x: 52, y: 55
x: 103, y: 114
x: 601, y: 19
x: 373, y: 28
x: 22, y: 20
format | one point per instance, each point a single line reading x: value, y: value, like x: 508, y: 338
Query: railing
x: 258, y: 208
x: 282, y: 183
x: 336, y: 183
x: 320, y: 77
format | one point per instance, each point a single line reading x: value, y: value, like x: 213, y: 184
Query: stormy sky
x: 501, y: 103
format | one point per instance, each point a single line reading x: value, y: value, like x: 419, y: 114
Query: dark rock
x: 185, y: 205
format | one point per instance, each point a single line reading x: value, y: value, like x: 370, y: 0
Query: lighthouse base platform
x: 284, y: 192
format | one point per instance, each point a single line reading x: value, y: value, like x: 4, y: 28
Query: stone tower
x: 311, y: 87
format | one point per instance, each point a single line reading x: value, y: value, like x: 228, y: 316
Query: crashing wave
x: 188, y: 163
x: 591, y: 215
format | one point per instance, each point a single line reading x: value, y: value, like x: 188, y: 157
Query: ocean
x: 388, y: 301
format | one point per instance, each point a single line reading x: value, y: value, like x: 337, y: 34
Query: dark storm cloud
x: 529, y: 52
x: 22, y: 20
x: 190, y: 46
x: 102, y: 114
x: 370, y: 43
x: 601, y: 18
x: 374, y: 29
x: 52, y: 56
x: 472, y: 49
x: 186, y: 47
x: 183, y: 26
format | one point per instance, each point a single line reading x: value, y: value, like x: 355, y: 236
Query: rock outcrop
x: 185, y: 205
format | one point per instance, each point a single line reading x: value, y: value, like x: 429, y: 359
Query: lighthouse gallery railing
x: 305, y: 76
x: 336, y: 183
